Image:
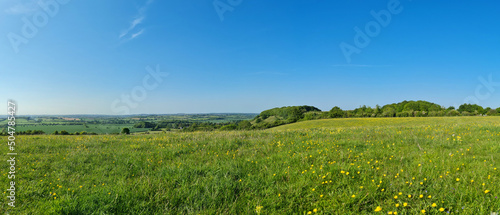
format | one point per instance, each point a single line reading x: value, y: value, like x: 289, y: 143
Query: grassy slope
x: 333, y: 170
x: 394, y: 122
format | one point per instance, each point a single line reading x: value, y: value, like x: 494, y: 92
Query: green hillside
x: 282, y: 115
x: 379, y: 122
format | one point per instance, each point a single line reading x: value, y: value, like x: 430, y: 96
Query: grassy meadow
x: 335, y: 166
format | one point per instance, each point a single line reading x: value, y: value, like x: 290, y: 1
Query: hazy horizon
x: 194, y: 113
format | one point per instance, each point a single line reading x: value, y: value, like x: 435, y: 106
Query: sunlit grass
x: 399, y: 166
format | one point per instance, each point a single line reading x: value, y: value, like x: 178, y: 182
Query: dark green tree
x: 491, y: 112
x: 125, y: 131
x: 377, y: 110
x: 244, y: 125
x: 229, y: 127
x: 471, y: 108
x: 336, y: 112
x: 389, y: 111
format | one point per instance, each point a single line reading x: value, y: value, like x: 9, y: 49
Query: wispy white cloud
x: 134, y: 23
x: 137, y: 34
x: 139, y: 18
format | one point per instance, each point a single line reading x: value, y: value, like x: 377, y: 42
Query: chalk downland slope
x: 374, y: 122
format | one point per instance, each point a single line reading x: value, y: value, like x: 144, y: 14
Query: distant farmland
x: 99, y: 129
x: 110, y: 124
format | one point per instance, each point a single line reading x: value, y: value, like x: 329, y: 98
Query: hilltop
x: 286, y: 115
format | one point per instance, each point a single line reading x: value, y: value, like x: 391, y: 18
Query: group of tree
x: 188, y: 126
x: 280, y: 116
x: 420, y: 109
x: 38, y: 132
x: 31, y: 132
x: 173, y: 124
x: 407, y: 109
x: 285, y: 115
x: 63, y: 132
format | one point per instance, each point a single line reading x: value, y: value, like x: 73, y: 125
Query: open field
x: 336, y: 166
x: 112, y: 124
x: 99, y: 129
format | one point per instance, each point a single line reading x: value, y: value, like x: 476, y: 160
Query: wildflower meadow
x: 336, y: 166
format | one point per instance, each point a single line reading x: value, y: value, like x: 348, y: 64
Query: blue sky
x: 87, y: 57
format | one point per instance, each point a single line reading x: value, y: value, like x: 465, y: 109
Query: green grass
x: 343, y: 166
x: 392, y: 122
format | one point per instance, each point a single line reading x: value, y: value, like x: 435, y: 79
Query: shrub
x: 336, y: 112
x: 125, y: 131
x: 452, y: 113
x: 229, y: 127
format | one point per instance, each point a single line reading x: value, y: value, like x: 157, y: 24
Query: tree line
x: 285, y: 115
x: 290, y: 114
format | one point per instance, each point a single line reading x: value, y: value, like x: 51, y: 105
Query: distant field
x: 338, y: 166
x: 112, y: 124
x: 99, y: 129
